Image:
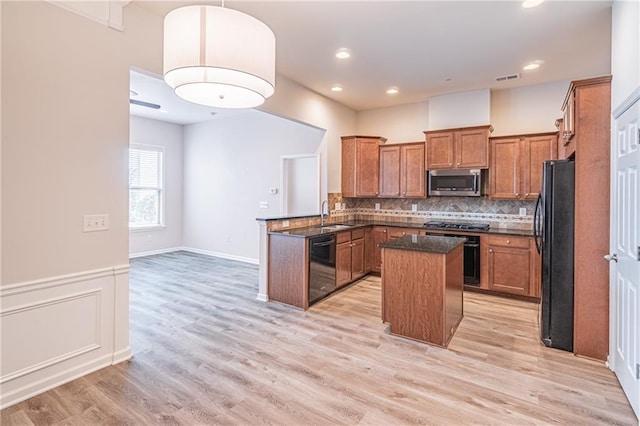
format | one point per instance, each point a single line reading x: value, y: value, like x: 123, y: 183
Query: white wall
x: 460, y: 110
x: 229, y: 167
x: 529, y: 109
x: 625, y: 50
x: 296, y: 102
x: 168, y: 135
x: 403, y: 123
x: 65, y: 135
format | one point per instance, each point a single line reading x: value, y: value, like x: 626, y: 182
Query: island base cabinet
x: 422, y: 294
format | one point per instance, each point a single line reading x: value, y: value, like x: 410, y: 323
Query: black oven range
x: 471, y: 246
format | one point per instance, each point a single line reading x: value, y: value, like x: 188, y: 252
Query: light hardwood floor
x: 206, y: 352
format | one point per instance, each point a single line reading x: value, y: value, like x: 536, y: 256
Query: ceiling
x: 425, y: 48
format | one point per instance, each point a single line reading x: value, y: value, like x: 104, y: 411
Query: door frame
x: 284, y: 184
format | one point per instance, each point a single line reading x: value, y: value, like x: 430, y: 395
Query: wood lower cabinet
x: 288, y: 273
x: 350, y: 256
x: 379, y: 236
x: 402, y: 171
x: 512, y: 265
x: 516, y: 165
x: 382, y: 234
x: 361, y: 165
x: 462, y: 148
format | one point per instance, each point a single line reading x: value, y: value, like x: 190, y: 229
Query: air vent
x: 508, y: 77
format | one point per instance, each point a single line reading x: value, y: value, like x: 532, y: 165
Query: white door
x: 625, y: 246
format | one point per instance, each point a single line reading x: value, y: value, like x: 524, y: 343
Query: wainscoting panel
x: 57, y: 329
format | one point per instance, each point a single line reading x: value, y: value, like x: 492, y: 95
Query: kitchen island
x: 422, y: 282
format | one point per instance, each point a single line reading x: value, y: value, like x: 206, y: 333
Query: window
x: 145, y: 186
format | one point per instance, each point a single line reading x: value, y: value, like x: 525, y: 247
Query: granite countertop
x: 317, y: 230
x: 429, y: 243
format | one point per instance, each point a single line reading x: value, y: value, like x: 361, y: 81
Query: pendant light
x: 218, y: 57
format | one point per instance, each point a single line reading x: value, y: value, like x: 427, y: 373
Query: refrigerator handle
x: 537, y: 233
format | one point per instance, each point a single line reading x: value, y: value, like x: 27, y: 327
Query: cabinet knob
x: 517, y: 194
x: 451, y: 164
x: 490, y: 250
x: 404, y: 233
x: 385, y: 231
x: 508, y: 241
x: 526, y: 195
x: 458, y: 163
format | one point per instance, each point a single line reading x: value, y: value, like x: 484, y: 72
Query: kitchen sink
x: 336, y: 227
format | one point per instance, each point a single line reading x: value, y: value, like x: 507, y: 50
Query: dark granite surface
x: 316, y: 230
x: 429, y: 243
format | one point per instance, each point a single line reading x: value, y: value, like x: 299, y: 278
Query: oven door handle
x: 472, y: 245
x: 328, y: 243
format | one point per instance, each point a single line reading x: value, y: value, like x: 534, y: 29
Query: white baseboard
x: 152, y: 252
x: 262, y: 297
x: 81, y: 312
x: 221, y: 255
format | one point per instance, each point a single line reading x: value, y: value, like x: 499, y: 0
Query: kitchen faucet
x: 324, y: 203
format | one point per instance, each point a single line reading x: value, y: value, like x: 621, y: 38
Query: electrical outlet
x: 377, y: 207
x: 523, y: 211
x: 264, y: 204
x: 414, y: 207
x: 95, y: 222
x: 338, y: 205
x: 285, y: 223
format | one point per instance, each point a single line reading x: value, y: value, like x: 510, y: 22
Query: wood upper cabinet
x: 350, y: 256
x: 458, y: 148
x: 361, y: 165
x: 516, y: 165
x: 402, y: 171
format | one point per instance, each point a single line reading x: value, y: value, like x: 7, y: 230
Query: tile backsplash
x: 481, y: 209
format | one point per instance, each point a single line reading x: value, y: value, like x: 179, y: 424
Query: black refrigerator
x: 553, y: 231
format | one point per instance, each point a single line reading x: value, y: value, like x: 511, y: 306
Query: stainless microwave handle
x: 475, y: 182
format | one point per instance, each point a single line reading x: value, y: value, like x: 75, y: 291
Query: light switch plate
x: 285, y: 223
x: 523, y: 211
x: 95, y: 222
x: 377, y: 206
x: 337, y: 206
x: 414, y: 207
x: 264, y: 204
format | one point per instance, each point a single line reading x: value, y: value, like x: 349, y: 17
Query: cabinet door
x: 367, y: 167
x: 390, y: 171
x: 439, y: 150
x: 534, y: 151
x: 509, y: 266
x: 412, y: 171
x: 343, y: 264
x: 471, y: 148
x: 357, y: 259
x: 379, y: 237
x: 504, y: 178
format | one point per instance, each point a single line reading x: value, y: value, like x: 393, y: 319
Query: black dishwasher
x: 322, y: 266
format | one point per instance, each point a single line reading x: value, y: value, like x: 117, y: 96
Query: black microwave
x: 456, y: 182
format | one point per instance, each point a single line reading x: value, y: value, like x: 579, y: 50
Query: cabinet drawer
x: 509, y: 241
x: 357, y: 233
x: 342, y: 237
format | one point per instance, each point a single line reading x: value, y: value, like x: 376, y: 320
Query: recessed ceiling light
x: 533, y: 65
x: 336, y: 88
x: 531, y: 3
x: 392, y: 90
x: 343, y: 53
